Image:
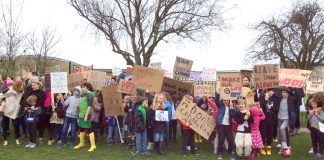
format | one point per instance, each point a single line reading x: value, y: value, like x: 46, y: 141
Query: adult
x: 11, y: 111
x: 84, y: 122
x: 298, y: 94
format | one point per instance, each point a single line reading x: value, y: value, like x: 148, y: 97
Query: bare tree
x: 143, y: 24
x: 41, y: 47
x: 11, y: 38
x: 295, y: 38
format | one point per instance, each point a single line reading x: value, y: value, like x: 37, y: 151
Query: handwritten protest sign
x: 148, y: 78
x: 161, y: 115
x: 204, y: 90
x: 175, y: 88
x: 293, y: 77
x: 59, y: 82
x: 96, y: 78
x: 156, y: 65
x: 231, y: 80
x: 196, y: 76
x: 209, y: 74
x: 182, y: 68
x: 225, y: 93
x: 313, y: 87
x: 128, y: 87
x: 74, y: 80
x: 194, y: 117
x: 112, y: 101
x: 266, y: 76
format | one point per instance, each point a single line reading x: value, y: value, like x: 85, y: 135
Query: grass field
x: 300, y: 146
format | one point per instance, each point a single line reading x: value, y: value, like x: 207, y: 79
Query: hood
x: 254, y: 111
x: 78, y: 88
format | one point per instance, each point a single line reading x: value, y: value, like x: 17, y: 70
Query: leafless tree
x: 11, y: 38
x: 296, y: 38
x: 143, y: 24
x: 41, y: 46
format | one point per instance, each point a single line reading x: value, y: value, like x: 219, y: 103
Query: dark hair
x: 140, y: 100
x: 269, y: 89
x: 88, y: 85
x: 247, y: 78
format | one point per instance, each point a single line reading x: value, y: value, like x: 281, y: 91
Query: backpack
x: 138, y: 121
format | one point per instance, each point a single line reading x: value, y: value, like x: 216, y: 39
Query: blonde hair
x: 155, y: 103
x: 31, y: 99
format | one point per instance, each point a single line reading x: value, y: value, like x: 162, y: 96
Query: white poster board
x: 59, y: 82
x: 116, y: 71
x: 161, y: 115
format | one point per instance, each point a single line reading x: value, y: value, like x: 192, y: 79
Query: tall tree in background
x: 11, y: 38
x: 296, y: 38
x: 134, y: 28
x: 41, y: 47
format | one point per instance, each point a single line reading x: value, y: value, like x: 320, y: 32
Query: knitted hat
x: 9, y: 82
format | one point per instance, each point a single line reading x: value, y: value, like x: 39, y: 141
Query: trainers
x: 71, y: 145
x: 278, y: 145
x: 219, y: 156
x: 28, y: 145
x: 275, y: 140
x: 147, y: 153
x: 33, y: 145
x: 60, y: 145
x: 231, y: 157
x: 311, y: 151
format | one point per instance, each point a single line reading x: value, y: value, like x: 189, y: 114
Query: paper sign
x: 209, y: 74
x: 313, y: 87
x: 116, y: 71
x: 79, y: 69
x: 59, y: 82
x: 204, y: 90
x: 156, y: 65
x: 266, y: 76
x: 112, y: 101
x: 182, y: 68
x: 195, y: 118
x: 293, y: 77
x: 75, y: 80
x: 128, y: 87
x: 161, y: 115
x: 148, y: 78
x: 176, y: 89
x: 225, y: 93
x: 232, y: 81
x: 196, y: 76
x: 321, y: 127
x: 96, y: 78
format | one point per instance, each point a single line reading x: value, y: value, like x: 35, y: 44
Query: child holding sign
x: 56, y: 120
x: 158, y: 126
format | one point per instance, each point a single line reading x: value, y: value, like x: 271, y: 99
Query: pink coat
x: 257, y: 116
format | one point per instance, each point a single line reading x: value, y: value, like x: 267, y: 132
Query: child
x: 95, y: 116
x: 187, y: 139
x: 56, y: 120
x: 223, y: 121
x: 31, y: 119
x: 158, y: 126
x: 316, y: 116
x: 243, y: 134
x: 257, y: 144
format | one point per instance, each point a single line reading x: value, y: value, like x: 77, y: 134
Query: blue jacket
x: 221, y: 111
x: 168, y: 107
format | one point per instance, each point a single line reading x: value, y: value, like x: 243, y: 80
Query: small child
x: 31, y: 119
x: 95, y: 116
x: 56, y: 120
x: 316, y: 116
x: 257, y: 144
x: 187, y: 139
x: 243, y: 135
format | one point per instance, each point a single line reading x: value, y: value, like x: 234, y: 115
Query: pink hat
x: 9, y: 82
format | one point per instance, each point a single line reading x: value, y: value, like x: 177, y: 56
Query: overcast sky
x: 224, y: 51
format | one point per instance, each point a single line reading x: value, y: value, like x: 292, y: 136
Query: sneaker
x: 33, y: 145
x: 28, y: 145
x: 5, y: 143
x: 278, y: 145
x: 71, y: 145
x: 137, y: 153
x: 311, y: 151
x: 147, y: 153
x: 61, y: 145
x: 219, y: 156
x: 275, y: 140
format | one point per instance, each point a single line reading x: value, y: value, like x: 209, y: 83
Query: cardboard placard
x: 112, y: 100
x: 245, y: 91
x: 176, y: 89
x: 79, y: 69
x: 204, y: 90
x: 182, y: 68
x: 96, y: 78
x: 74, y: 80
x: 209, y: 74
x: 233, y: 81
x: 161, y: 115
x: 116, y: 71
x: 59, y: 82
x: 195, y: 118
x: 266, y: 76
x: 196, y: 76
x: 128, y: 87
x: 225, y: 93
x: 249, y: 100
x: 156, y: 65
x: 293, y: 77
x: 148, y: 78
x: 313, y: 87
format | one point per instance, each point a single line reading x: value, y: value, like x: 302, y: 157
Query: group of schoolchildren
x: 249, y: 128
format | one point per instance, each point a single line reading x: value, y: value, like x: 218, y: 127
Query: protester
x: 32, y: 112
x: 168, y: 102
x: 258, y: 115
x: 56, y: 120
x: 158, y: 126
x: 129, y: 106
x: 97, y: 107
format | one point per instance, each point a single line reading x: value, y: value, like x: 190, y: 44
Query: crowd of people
x: 244, y: 131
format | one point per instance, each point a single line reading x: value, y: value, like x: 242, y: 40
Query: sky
x: 223, y: 51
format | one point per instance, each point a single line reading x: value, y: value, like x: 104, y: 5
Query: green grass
x: 300, y: 146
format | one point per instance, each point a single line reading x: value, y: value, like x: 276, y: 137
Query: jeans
x: 141, y: 141
x: 173, y: 130
x: 158, y: 137
x: 266, y: 130
x: 31, y: 128
x: 5, y: 123
x: 67, y: 122
x: 283, y: 124
x: 188, y: 140
x: 44, y: 122
x: 113, y: 131
x: 225, y: 131
x: 56, y: 131
x: 167, y: 134
x: 23, y: 125
x: 317, y: 140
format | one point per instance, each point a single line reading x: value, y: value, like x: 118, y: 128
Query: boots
x: 92, y: 142
x: 81, y: 144
x: 149, y: 146
x: 199, y: 138
x: 263, y: 151
x: 269, y: 150
x: 160, y: 148
x: 196, y: 138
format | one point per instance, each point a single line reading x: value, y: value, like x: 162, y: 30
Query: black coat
x: 291, y: 108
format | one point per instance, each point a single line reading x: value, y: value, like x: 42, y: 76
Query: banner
x: 96, y: 78
x: 167, y: 73
x: 196, y: 76
x: 79, y: 69
x: 204, y: 90
x: 177, y: 89
x: 232, y: 81
x: 194, y: 117
x: 148, y: 78
x: 128, y: 87
x: 113, y: 102
x: 209, y: 74
x: 266, y: 76
x: 59, y: 82
x: 116, y: 71
x: 156, y: 65
x: 313, y: 87
x: 182, y: 68
x: 161, y: 115
x: 74, y: 80
x: 293, y: 77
